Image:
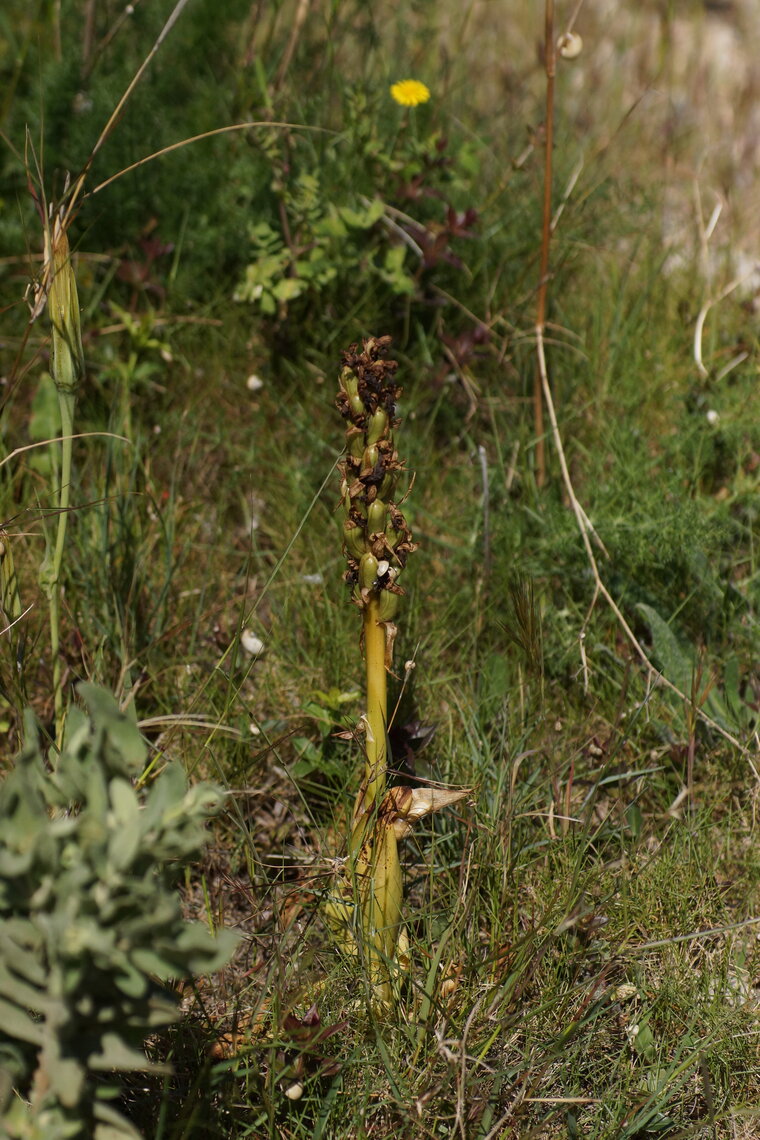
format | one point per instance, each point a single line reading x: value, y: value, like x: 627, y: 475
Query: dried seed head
x: 376, y: 538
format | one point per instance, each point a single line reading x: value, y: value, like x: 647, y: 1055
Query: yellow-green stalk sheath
x: 377, y: 701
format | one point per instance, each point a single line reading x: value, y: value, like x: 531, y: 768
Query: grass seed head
x: 67, y: 364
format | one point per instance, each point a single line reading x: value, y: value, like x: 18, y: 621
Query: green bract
x: 91, y: 927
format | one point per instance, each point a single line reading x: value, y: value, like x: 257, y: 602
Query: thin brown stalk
x: 98, y: 49
x: 546, y: 231
x: 60, y: 439
x: 72, y: 200
x: 295, y: 33
x: 88, y: 37
x: 197, y: 138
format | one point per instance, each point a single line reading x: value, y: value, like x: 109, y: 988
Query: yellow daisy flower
x: 410, y: 92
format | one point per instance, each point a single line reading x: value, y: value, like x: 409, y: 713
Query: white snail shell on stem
x: 570, y: 45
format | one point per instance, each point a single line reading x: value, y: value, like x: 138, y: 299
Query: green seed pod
x: 354, y: 538
x: 367, y: 571
x: 393, y: 536
x: 387, y: 605
x: 376, y: 517
x: 357, y: 405
x: 349, y: 382
x: 369, y: 459
x: 385, y: 490
x: 376, y: 425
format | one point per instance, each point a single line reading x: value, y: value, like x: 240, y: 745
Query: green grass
x: 584, y: 960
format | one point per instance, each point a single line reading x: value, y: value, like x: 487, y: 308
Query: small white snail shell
x: 570, y: 45
x: 251, y: 643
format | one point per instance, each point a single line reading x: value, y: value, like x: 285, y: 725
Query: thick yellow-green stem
x: 377, y: 699
x: 374, y: 850
x: 381, y: 914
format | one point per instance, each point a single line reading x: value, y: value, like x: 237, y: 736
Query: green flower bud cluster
x: 376, y: 538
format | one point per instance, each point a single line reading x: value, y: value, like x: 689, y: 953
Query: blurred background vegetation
x: 219, y: 284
